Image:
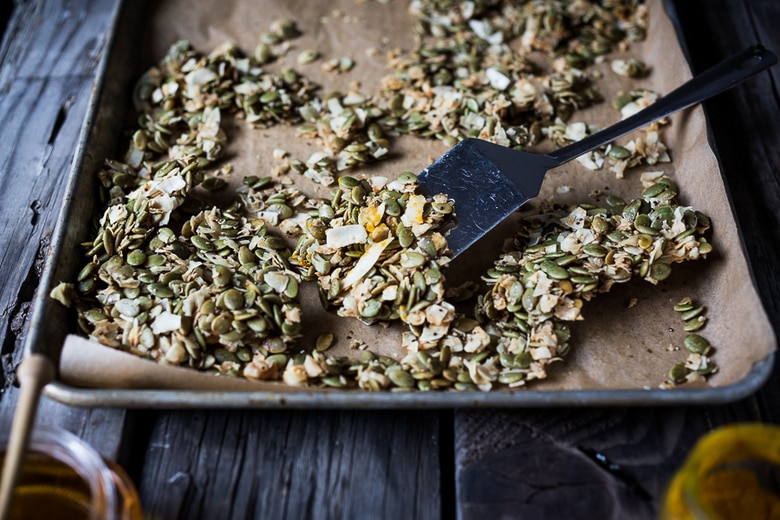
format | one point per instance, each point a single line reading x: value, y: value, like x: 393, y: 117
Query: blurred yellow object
x: 62, y: 477
x: 730, y: 474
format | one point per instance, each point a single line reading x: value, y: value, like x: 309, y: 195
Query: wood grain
x: 318, y: 464
x: 47, y: 68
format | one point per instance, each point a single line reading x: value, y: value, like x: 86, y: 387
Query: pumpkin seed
x: 400, y: 377
x: 695, y: 324
x: 691, y: 312
x: 697, y: 344
x: 233, y: 299
x: 553, y: 270
x: 660, y: 271
x: 595, y: 250
x: 679, y: 372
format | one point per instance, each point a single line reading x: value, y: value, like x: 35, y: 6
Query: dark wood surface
x: 467, y: 464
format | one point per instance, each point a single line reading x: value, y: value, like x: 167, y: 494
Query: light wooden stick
x: 34, y: 372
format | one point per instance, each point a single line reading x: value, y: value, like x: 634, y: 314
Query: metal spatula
x: 489, y: 182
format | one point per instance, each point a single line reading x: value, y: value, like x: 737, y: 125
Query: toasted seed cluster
x: 464, y: 79
x: 282, y: 207
x: 215, y: 289
x: 216, y: 293
x: 348, y: 127
x: 377, y: 255
x: 167, y: 279
x: 564, y: 262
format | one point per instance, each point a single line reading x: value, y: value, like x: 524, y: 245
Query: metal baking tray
x: 103, y: 130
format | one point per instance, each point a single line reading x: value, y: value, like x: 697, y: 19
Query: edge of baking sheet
x: 48, y: 323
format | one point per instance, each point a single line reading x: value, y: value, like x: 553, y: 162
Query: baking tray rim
x: 356, y: 399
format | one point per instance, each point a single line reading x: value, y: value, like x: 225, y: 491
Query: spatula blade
x: 486, y: 184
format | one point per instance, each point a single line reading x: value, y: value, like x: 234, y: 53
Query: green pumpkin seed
x: 618, y: 153
x: 324, y: 341
x: 679, y: 372
x: 371, y: 308
x: 136, y: 258
x: 275, y: 345
x: 686, y: 304
x: 596, y: 250
x: 160, y: 290
x: 412, y: 259
x: 222, y: 324
x: 654, y: 190
x: 407, y: 178
x: 405, y: 236
x: 553, y: 270
x: 444, y: 208
x: 400, y: 377
x: 697, y: 344
x: 223, y: 355
x: 695, y: 324
x: 233, y: 299
x: 660, y: 271
x: 691, y: 312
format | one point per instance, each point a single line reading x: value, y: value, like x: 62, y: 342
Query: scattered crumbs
x: 357, y: 345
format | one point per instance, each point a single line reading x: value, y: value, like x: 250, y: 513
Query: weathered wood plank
x: 47, y: 68
x: 319, y: 464
x: 544, y: 464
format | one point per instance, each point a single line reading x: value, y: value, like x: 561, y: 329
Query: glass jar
x: 733, y: 472
x: 63, y: 477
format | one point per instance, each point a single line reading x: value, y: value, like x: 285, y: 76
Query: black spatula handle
x: 715, y: 80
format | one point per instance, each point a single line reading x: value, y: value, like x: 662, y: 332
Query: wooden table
x: 524, y: 463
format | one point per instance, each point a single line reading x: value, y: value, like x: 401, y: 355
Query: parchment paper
x: 615, y: 346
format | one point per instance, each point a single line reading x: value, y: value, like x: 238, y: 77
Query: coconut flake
x: 344, y: 236
x: 366, y: 262
x: 166, y: 322
x: 498, y: 80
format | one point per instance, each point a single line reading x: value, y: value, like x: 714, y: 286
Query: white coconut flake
x: 576, y: 131
x: 344, y: 236
x: 366, y: 262
x: 498, y: 80
x: 166, y: 322
x: 276, y: 280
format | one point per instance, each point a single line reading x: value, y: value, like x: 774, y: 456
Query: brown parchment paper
x: 616, y: 346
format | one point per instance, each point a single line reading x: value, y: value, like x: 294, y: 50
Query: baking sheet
x: 619, y: 354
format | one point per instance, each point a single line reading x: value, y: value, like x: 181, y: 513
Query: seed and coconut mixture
x: 216, y: 288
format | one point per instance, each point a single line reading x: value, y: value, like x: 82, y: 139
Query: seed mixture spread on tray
x: 216, y: 288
